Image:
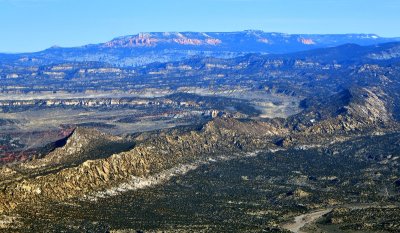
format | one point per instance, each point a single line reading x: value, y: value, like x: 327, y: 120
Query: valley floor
x: 239, y: 194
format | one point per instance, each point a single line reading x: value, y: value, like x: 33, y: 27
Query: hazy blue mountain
x: 145, y: 48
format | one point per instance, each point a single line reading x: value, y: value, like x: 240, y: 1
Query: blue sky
x: 33, y: 25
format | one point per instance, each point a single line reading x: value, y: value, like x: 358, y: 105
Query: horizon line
x: 190, y: 31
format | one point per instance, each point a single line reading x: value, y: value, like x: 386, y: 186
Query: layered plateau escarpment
x: 85, y: 164
x: 146, y: 48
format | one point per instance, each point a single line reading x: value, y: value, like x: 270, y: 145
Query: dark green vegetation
x: 41, y: 122
x: 180, y: 135
x: 248, y: 194
x: 385, y: 219
x: 323, y: 71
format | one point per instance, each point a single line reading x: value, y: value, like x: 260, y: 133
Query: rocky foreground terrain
x: 92, y: 166
x: 242, y: 145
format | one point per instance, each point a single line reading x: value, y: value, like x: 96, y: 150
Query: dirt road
x: 304, y: 219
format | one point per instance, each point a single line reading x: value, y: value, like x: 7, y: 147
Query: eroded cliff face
x: 154, y: 39
x: 82, y: 144
x: 366, y: 108
x: 91, y: 170
x: 346, y: 114
x: 348, y: 111
x: 222, y: 135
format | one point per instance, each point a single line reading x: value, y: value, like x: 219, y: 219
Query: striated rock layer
x: 152, y: 156
x: 355, y: 112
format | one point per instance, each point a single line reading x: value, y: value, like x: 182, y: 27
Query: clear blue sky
x: 32, y: 25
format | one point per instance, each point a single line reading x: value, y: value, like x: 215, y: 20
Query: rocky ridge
x: 165, y: 150
x: 222, y: 135
x: 81, y: 145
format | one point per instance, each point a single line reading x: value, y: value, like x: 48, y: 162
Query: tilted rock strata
x: 152, y: 156
x: 361, y: 110
x: 78, y: 147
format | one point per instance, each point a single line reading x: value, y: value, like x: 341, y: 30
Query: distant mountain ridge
x: 146, y: 48
x: 247, y: 41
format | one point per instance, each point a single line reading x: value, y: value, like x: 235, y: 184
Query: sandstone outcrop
x: 222, y: 135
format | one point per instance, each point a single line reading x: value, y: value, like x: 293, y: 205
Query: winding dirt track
x: 304, y: 219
